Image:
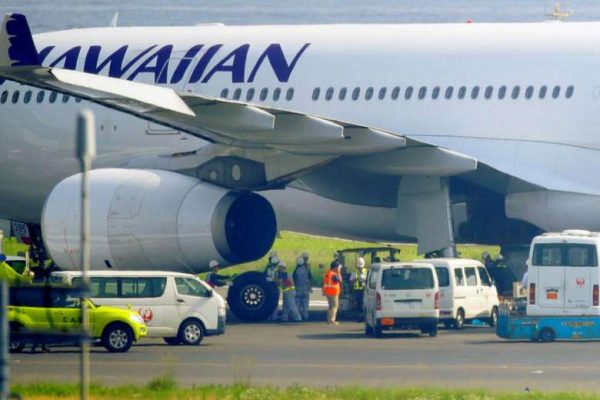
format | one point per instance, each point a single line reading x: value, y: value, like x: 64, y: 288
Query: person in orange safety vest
x: 332, y: 284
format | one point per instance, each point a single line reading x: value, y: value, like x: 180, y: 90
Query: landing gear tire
x: 252, y: 298
x: 459, y: 321
x: 493, y: 317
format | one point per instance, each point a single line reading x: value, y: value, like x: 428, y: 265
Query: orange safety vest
x: 331, y: 288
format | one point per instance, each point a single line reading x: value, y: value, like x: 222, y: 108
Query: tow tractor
x: 350, y: 301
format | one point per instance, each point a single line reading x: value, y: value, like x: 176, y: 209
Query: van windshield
x: 407, y: 279
x: 564, y: 255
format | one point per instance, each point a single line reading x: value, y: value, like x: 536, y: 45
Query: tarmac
x: 316, y: 354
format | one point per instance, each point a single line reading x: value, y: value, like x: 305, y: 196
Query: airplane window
x: 474, y: 92
x: 382, y: 92
x: 515, y: 92
x: 65, y: 98
x: 489, y: 91
x: 237, y: 94
x: 448, y: 94
x: 40, y: 96
x: 502, y: 92
x: 435, y: 93
x: 369, y: 93
x: 569, y: 92
x: 555, y: 92
x: 356, y: 93
x: 53, y: 96
x: 290, y: 94
x: 263, y: 94
x: 15, y: 96
x: 529, y: 92
x: 543, y: 91
x: 27, y: 97
x: 250, y: 94
x: 342, y: 94
x: 316, y: 93
x: 462, y: 91
x: 422, y: 92
x: 276, y: 94
x: 329, y: 94
x: 4, y: 97
x: 224, y: 93
x: 395, y: 93
x: 408, y: 93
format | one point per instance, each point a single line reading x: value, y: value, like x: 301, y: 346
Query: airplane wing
x: 217, y: 120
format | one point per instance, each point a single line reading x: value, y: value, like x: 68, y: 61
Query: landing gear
x: 252, y: 297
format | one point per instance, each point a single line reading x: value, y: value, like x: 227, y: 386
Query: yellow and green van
x: 60, y: 312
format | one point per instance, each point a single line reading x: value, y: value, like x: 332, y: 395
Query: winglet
x: 16, y: 43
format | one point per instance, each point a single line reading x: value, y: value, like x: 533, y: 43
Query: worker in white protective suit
x: 358, y: 278
x: 272, y: 275
x: 302, y: 280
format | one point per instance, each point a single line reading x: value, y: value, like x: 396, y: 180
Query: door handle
x: 180, y: 300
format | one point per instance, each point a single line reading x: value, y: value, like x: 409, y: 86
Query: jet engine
x: 156, y: 220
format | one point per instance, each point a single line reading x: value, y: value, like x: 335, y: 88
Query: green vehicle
x: 51, y: 314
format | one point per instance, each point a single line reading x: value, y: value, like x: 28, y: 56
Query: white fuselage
x: 550, y: 142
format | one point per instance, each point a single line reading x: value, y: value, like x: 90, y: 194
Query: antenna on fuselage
x: 114, y: 21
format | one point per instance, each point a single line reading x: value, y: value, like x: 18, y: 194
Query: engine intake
x: 153, y: 219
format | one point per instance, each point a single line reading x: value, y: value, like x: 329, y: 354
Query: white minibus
x: 563, y: 274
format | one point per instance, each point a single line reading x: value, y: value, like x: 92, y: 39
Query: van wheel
x: 191, y: 332
x: 459, y: 321
x: 14, y: 345
x: 547, y: 335
x: 172, y: 341
x: 494, y: 317
x: 117, y: 338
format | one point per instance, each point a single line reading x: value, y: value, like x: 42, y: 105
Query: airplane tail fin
x: 16, y: 43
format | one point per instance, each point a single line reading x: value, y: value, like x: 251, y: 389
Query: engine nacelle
x: 153, y: 219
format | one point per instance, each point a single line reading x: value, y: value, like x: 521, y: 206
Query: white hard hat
x: 282, y: 265
x: 304, y: 254
x: 213, y: 263
x: 274, y: 260
x: 300, y: 260
x: 273, y: 254
x: 360, y: 262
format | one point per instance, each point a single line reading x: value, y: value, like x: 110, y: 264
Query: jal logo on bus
x: 580, y: 281
x: 146, y: 314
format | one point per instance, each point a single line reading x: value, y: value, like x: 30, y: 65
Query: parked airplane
x: 431, y: 133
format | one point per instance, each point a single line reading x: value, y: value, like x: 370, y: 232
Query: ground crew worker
x: 503, y: 277
x: 332, y: 284
x: 302, y: 279
x: 289, y: 295
x: 272, y: 275
x: 213, y: 278
x: 358, y: 278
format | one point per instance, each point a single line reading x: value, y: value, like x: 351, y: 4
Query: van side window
x: 471, y: 276
x: 191, y: 287
x: 459, y: 278
x: 443, y: 276
x: 373, y: 279
x: 484, y: 277
x: 142, y: 287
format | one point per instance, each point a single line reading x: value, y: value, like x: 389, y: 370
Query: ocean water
x: 48, y: 15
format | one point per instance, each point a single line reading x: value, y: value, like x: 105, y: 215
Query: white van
x: 466, y: 291
x: 401, y: 296
x: 563, y: 274
x: 177, y: 307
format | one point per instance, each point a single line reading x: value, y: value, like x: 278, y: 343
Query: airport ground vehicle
x: 50, y: 313
x: 402, y: 296
x: 466, y: 291
x: 178, y: 307
x: 547, y: 328
x: 563, y: 274
x: 350, y: 301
